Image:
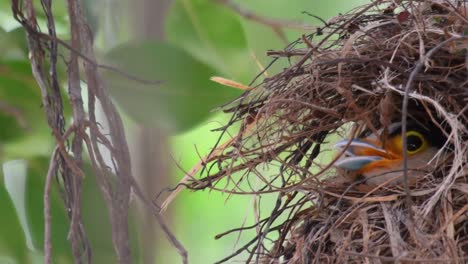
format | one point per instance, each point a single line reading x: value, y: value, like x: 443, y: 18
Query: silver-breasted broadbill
x: 379, y: 158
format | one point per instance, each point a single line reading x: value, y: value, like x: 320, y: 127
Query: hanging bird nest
x: 386, y: 62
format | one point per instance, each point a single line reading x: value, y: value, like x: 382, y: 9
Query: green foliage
x: 26, y: 134
x: 12, y: 241
x: 20, y: 99
x: 212, y: 34
x: 32, y: 197
x: 21, y: 192
x: 22, y: 221
x: 183, y: 99
x: 13, y: 44
x: 21, y: 113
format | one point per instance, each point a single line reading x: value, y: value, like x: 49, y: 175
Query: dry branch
x: 115, y: 180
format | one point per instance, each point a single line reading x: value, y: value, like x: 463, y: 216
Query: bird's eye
x: 414, y: 142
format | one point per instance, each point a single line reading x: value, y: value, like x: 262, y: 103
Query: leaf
x: 183, y: 99
x: 14, y: 173
x: 24, y: 183
x: 22, y: 221
x: 93, y: 212
x: 212, y: 34
x: 34, y: 196
x: 25, y: 130
x: 19, y: 100
x: 13, y: 44
x: 10, y: 127
x: 12, y: 240
x: 7, y: 21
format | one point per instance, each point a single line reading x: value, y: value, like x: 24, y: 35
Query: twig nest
x: 360, y: 73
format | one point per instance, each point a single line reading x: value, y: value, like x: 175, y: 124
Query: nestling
x: 379, y: 159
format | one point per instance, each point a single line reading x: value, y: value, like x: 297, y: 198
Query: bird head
x: 380, y: 158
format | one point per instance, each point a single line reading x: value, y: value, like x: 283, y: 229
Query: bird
x: 378, y: 158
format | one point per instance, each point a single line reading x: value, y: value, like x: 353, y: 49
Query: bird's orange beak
x: 364, y: 155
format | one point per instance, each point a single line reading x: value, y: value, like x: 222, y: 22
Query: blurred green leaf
x: 7, y: 21
x: 183, y: 99
x: 13, y: 44
x: 19, y: 100
x: 12, y: 240
x: 22, y: 221
x: 15, y: 173
x: 10, y: 127
x: 94, y: 215
x: 37, y: 171
x: 24, y: 183
x: 212, y: 34
x: 25, y: 130
x: 96, y: 220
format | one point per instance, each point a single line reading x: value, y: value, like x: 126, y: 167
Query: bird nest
x: 385, y: 62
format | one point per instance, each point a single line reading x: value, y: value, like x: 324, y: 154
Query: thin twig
x: 47, y: 211
x: 404, y: 115
x: 270, y: 22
